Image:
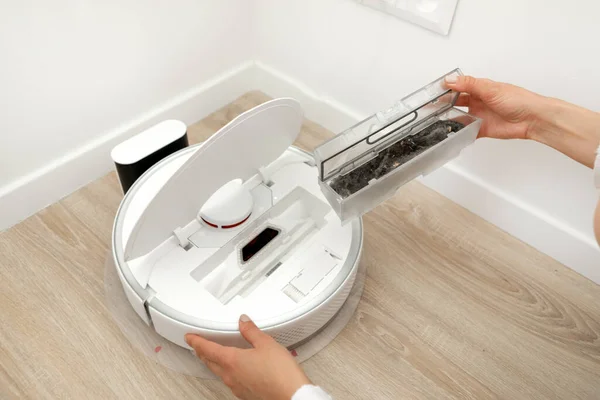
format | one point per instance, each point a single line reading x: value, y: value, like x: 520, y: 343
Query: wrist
x: 570, y: 129
x: 547, y: 124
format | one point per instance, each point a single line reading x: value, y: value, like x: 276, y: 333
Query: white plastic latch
x: 181, y: 238
x: 262, y: 171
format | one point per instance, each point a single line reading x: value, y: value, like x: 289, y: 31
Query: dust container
x: 365, y: 165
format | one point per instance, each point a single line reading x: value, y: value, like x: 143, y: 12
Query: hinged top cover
x: 339, y: 154
x: 237, y: 151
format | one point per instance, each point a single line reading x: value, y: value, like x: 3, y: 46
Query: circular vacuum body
x: 236, y: 225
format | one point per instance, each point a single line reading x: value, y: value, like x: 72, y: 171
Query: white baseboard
x: 318, y: 108
x: 49, y: 184
x: 527, y: 223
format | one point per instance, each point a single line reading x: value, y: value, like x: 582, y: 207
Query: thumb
x: 251, y: 333
x: 484, y: 89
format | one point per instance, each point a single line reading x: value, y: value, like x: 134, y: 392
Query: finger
x: 481, y: 88
x: 463, y: 100
x: 251, y: 333
x: 205, y: 349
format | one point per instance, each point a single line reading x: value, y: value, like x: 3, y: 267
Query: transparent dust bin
x: 365, y: 165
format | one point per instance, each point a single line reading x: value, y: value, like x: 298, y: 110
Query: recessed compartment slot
x: 264, y: 245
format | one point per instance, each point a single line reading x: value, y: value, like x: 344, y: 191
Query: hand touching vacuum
x: 267, y: 371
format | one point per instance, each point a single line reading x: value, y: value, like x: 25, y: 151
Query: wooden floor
x: 452, y: 308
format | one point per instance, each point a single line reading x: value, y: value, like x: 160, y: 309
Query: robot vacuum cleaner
x: 246, y: 223
x: 236, y: 225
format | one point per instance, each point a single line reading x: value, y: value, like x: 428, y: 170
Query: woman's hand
x: 267, y: 371
x: 508, y: 112
x: 511, y: 112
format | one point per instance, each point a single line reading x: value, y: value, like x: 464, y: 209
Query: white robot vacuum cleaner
x: 246, y: 223
x: 236, y: 225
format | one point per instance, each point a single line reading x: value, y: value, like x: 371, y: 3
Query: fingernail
x: 244, y: 318
x: 451, y: 79
x: 188, y: 338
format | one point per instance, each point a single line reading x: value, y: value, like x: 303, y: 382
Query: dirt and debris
x: 391, y: 158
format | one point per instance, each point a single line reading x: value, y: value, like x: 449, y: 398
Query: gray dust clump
x: 394, y: 156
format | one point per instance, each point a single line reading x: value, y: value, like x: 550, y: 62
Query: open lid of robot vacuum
x: 234, y: 154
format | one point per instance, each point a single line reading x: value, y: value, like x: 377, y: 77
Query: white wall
x: 364, y: 60
x: 78, y: 76
x: 75, y: 71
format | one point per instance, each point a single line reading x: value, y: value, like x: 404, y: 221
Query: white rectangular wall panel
x: 435, y: 15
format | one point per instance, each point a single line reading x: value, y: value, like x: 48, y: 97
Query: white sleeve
x: 311, y: 392
x: 597, y: 170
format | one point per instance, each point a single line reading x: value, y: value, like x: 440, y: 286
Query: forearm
x: 572, y: 130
